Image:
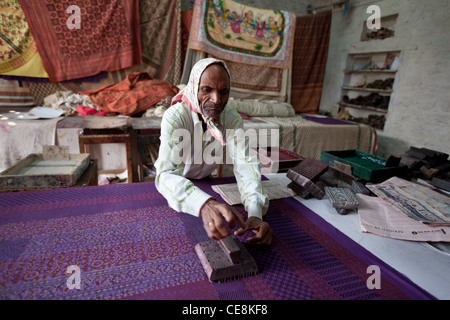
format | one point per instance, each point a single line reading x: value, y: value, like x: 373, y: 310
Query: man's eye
x: 206, y: 89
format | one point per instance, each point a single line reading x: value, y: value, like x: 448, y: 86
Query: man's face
x: 213, y: 91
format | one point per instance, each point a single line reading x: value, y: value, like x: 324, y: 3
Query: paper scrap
x: 231, y: 195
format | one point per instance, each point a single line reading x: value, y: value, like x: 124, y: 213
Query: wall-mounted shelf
x: 367, y: 89
x: 368, y: 85
x: 370, y: 71
x: 355, y: 106
x: 387, y: 29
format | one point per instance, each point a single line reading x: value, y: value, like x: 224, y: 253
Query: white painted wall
x: 419, y: 112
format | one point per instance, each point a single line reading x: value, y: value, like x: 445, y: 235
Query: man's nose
x: 215, y: 97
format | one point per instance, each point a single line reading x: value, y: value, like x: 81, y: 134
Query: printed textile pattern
x: 312, y: 36
x: 106, y: 39
x: 128, y: 244
x: 16, y: 43
x: 256, y: 78
x: 232, y: 31
x: 160, y: 26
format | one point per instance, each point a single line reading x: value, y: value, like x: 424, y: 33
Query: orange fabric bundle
x: 137, y: 92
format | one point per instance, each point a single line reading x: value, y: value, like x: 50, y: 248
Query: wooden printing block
x: 393, y: 161
x: 428, y: 173
x: 218, y: 264
x: 359, y: 187
x: 329, y: 180
x: 299, y: 190
x: 311, y: 168
x: 441, y: 182
x: 305, y: 183
x: 321, y: 185
x: 411, y: 162
x: 231, y: 248
x: 438, y: 156
x: 416, y: 153
x: 345, y: 168
x: 342, y: 199
x: 444, y: 167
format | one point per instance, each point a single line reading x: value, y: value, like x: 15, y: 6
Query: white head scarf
x: 189, y: 94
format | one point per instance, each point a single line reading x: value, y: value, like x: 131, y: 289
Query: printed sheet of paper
x: 231, y: 195
x: 379, y: 217
x: 414, y: 200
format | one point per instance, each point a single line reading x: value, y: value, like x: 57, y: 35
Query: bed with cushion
x: 305, y: 134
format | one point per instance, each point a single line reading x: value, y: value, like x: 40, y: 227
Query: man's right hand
x: 214, y: 213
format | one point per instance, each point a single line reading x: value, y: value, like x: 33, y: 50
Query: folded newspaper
x: 231, y: 195
x: 378, y: 217
x: 416, y: 201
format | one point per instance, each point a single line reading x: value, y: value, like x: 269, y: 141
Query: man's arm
x: 248, y: 177
x: 246, y: 170
x: 181, y: 194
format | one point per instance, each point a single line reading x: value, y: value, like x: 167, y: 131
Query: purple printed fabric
x: 129, y: 244
x: 325, y: 120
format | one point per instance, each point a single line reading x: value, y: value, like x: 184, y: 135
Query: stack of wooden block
x: 430, y: 165
x: 307, y: 182
x: 303, y: 177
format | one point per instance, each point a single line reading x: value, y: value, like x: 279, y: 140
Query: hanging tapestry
x: 240, y: 33
x: 160, y: 27
x: 312, y: 36
x: 83, y: 38
x: 17, y: 46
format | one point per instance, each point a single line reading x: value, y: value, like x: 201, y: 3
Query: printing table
x: 128, y: 244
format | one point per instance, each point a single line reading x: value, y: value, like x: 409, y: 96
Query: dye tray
x: 34, y: 171
x: 364, y: 165
x: 275, y: 160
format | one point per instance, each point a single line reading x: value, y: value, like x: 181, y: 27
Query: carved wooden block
x: 342, y: 199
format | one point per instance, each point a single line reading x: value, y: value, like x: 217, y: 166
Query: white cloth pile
x: 67, y: 101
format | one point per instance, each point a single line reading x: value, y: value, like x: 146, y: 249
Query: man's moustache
x: 210, y: 104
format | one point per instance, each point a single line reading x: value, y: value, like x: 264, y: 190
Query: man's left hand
x: 262, y: 230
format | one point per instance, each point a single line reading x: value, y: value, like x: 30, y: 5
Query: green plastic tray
x: 364, y: 165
